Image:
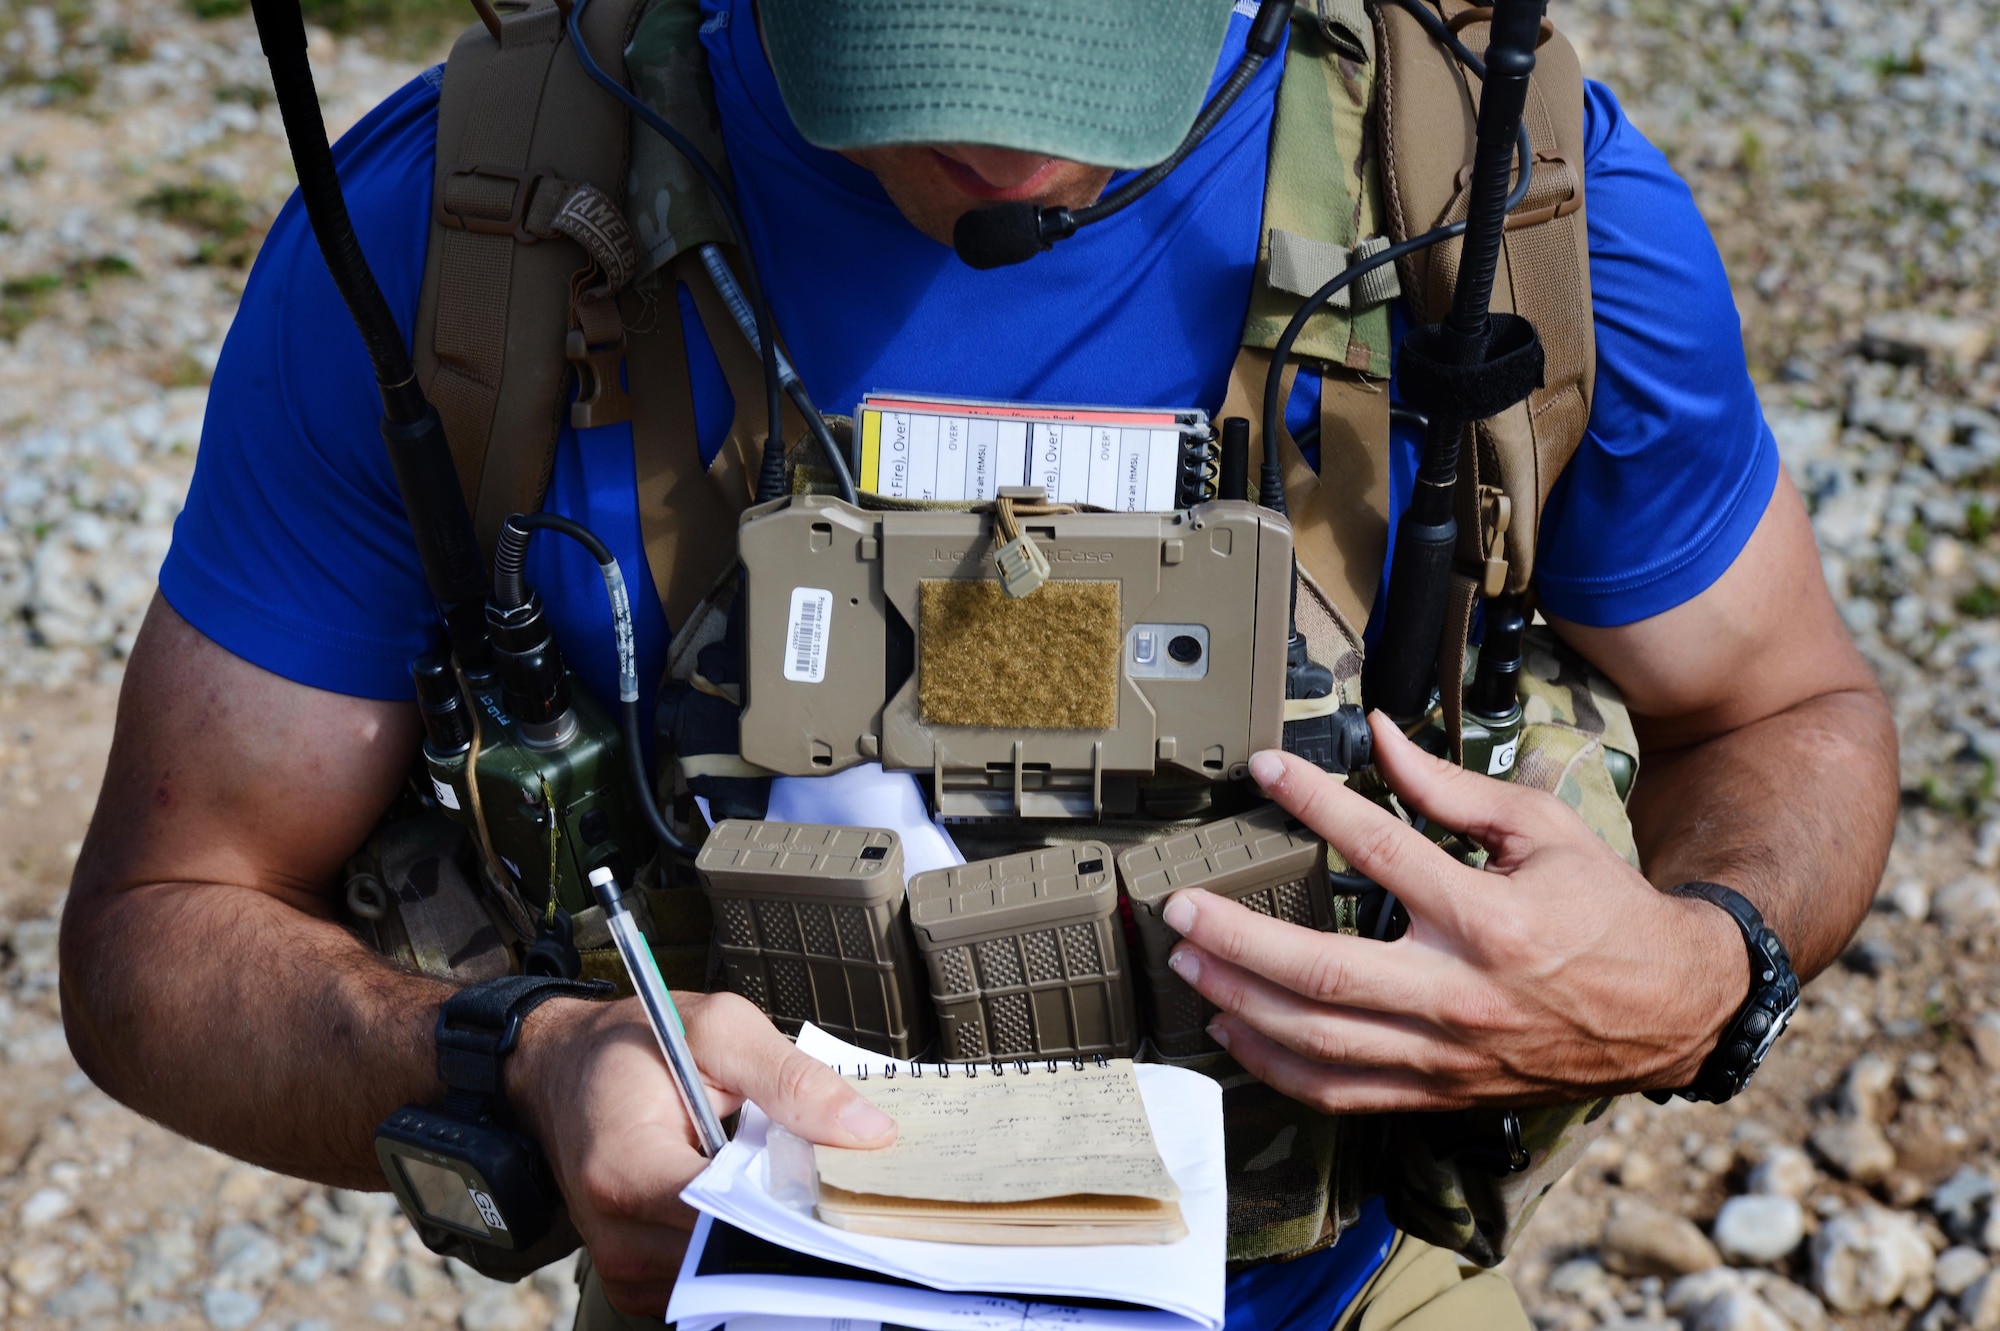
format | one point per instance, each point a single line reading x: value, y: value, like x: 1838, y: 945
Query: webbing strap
x: 478, y: 268
x: 1451, y: 661
x: 686, y: 519
x: 530, y: 154
x: 687, y: 514
x: 1428, y: 112
x: 1340, y: 513
x: 1320, y: 193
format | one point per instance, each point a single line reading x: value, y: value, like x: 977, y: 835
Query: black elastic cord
x: 1442, y: 34
x: 629, y: 706
x: 771, y: 477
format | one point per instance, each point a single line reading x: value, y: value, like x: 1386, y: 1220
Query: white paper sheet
x: 802, y: 1303
x: 1184, y: 1280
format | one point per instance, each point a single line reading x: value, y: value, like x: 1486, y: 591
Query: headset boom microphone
x: 1011, y: 233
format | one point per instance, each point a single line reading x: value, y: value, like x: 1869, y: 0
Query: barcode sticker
x: 805, y: 635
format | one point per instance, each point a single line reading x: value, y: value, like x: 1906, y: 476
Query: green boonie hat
x: 1108, y: 82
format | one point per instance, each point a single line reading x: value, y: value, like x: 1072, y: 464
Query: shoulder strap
x: 1427, y: 118
x: 527, y: 249
x: 1322, y: 209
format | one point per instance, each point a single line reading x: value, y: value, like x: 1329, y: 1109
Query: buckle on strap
x: 468, y: 200
x: 1552, y: 194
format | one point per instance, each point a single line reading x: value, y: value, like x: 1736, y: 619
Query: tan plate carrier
x: 558, y: 238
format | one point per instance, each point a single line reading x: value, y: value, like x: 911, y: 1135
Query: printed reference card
x: 1111, y: 458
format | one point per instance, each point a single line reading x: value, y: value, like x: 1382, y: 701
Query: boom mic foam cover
x: 996, y: 237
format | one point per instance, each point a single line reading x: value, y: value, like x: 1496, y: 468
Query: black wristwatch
x: 473, y: 1186
x: 1774, y: 996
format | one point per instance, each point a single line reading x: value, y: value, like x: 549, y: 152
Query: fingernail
x: 866, y: 1121
x: 1179, y: 913
x: 1219, y: 1033
x: 1267, y: 768
x: 1186, y: 964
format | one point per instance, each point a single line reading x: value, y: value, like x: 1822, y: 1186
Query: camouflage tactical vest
x: 558, y: 238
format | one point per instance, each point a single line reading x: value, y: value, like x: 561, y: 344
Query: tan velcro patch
x: 1045, y: 661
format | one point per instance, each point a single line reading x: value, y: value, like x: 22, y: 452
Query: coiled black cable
x: 510, y: 559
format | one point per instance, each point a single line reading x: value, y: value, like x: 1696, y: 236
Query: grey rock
x: 1871, y: 956
x: 1967, y: 903
x: 161, y: 1260
x: 1642, y: 1240
x: 37, y: 1270
x: 387, y: 1313
x: 88, y: 1297
x: 44, y: 1205
x: 1907, y: 336
x: 33, y: 943
x: 1957, y: 1268
x: 417, y: 1278
x: 1940, y: 1316
x: 1739, y: 1310
x: 230, y: 1309
x: 1785, y: 1172
x: 1796, y: 1304
x: 1856, y: 1149
x: 1986, y: 1040
x: 1962, y: 1201
x: 496, y: 1310
x: 1911, y: 899
x: 312, y: 1324
x: 244, y: 1254
x: 1759, y: 1229
x: 1871, y: 1258
x: 1581, y: 1278
x: 312, y: 1265
x: 1637, y: 1171
x: 1686, y: 1297
x: 151, y: 1311
x: 1866, y: 1093
x: 1979, y: 1305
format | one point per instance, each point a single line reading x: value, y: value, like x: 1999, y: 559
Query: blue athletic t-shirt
x: 294, y: 554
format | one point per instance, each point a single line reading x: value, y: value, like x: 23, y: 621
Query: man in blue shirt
x: 266, y: 724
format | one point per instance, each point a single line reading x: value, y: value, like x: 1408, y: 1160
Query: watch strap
x: 479, y: 1025
x: 1774, y: 992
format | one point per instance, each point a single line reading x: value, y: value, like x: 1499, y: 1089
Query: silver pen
x: 660, y: 1011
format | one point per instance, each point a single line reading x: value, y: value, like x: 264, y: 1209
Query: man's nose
x: 1001, y: 168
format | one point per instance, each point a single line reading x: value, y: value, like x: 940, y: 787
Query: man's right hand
x: 589, y: 1082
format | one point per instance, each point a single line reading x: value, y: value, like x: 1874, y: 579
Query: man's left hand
x: 1556, y: 973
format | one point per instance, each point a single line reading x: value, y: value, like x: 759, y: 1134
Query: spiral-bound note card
x: 1009, y: 1153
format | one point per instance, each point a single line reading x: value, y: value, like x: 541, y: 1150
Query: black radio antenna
x: 1472, y: 366
x: 425, y: 474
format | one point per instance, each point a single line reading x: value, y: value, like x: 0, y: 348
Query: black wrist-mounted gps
x: 1774, y: 996
x: 474, y: 1187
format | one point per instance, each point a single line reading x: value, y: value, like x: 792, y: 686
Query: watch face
x: 447, y: 1197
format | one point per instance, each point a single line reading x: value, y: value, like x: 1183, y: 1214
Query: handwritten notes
x: 1017, y: 1137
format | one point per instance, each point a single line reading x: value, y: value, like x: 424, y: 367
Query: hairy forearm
x: 1795, y: 811
x: 245, y: 1023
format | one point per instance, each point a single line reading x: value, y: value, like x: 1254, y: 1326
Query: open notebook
x: 1054, y: 1152
x: 959, y: 1286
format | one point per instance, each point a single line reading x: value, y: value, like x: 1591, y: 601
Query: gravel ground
x: 1847, y: 156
